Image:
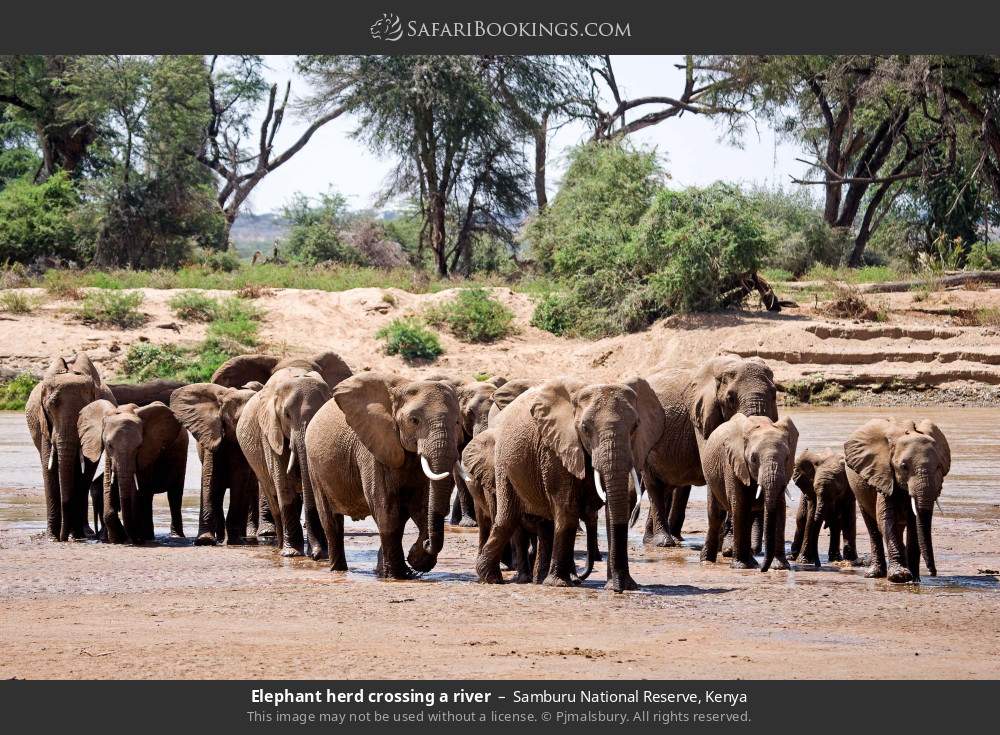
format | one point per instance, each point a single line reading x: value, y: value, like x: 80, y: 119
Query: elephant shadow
x: 682, y: 590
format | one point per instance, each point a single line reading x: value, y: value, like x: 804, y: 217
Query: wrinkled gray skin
x: 272, y: 432
x: 747, y: 461
x: 210, y: 412
x: 142, y: 394
x: 827, y: 500
x: 52, y: 411
x: 896, y: 468
x: 695, y: 403
x: 145, y: 453
x: 366, y: 448
x: 554, y: 446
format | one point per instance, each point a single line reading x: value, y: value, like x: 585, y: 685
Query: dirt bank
x: 923, y: 345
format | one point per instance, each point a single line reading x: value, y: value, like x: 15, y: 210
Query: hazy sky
x: 689, y: 145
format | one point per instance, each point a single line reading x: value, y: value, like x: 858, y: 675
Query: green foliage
x: 235, y: 325
x: 983, y: 256
x: 112, y: 309
x: 14, y: 393
x: 798, y: 237
x: 410, y: 339
x: 221, y: 261
x: 192, y: 306
x: 37, y: 219
x: 557, y: 313
x: 316, y: 235
x: 146, y: 361
x: 473, y: 316
x: 867, y: 274
x: 14, y: 302
x: 62, y: 284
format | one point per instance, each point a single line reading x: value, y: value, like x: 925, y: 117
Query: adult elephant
x: 558, y: 443
x: 827, y: 500
x: 385, y: 446
x: 695, y: 403
x: 145, y: 450
x: 896, y: 468
x: 142, y: 394
x: 271, y: 431
x: 743, y: 456
x: 51, y: 411
x: 242, y: 369
x: 210, y: 412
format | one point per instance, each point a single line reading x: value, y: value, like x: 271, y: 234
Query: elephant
x: 695, y: 402
x: 385, y: 446
x: 896, y: 468
x: 558, y: 443
x: 505, y: 394
x: 145, y: 450
x: 142, y: 394
x: 242, y: 369
x: 826, y: 499
x: 51, y: 411
x: 271, y: 431
x: 210, y: 412
x: 479, y: 467
x: 749, y: 454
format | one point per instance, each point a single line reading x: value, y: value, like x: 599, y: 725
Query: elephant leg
x: 660, y: 501
x: 892, y: 520
x: 716, y: 519
x: 469, y: 517
x: 521, y: 561
x: 619, y: 578
x: 801, y: 522
x: 112, y: 504
x: 780, y: 560
x: 53, y: 504
x: 267, y: 526
x: 849, y: 525
x: 742, y: 516
x: 833, y: 554
x: 144, y: 503
x: 241, y: 523
x: 210, y: 505
x: 314, y: 529
x: 811, y: 553
x: 505, y: 523
x: 727, y: 536
x: 678, y: 510
x: 333, y: 528
x: 756, y: 531
x: 175, y: 495
x: 543, y: 556
x: 391, y: 564
x: 562, y: 571
x: 292, y: 541
x: 877, y: 567
x: 418, y: 557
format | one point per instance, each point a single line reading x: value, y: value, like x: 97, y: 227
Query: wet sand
x: 172, y: 610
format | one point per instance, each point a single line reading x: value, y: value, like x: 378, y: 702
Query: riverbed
x: 171, y: 609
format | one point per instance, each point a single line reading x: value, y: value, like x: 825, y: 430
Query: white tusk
x: 463, y: 473
x: 111, y: 477
x: 291, y: 460
x: 639, y: 489
x: 52, y: 458
x: 83, y: 463
x: 938, y: 504
x: 431, y: 475
x: 600, y: 488
x: 913, y: 503
x: 100, y: 465
x: 760, y: 494
x: 787, y: 494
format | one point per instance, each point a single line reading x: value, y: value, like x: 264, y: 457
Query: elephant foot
x: 807, y: 559
x: 781, y: 562
x: 750, y: 563
x: 661, y: 539
x: 834, y: 556
x: 317, y: 552
x: 177, y: 534
x: 522, y: 578
x: 621, y: 582
x: 727, y: 551
x: 419, y: 559
x: 875, y: 571
x: 849, y: 554
x: 488, y: 572
x: 554, y: 580
x: 266, y: 530
x: 338, y: 565
x: 205, y: 539
x: 290, y: 551
x: 705, y: 557
x: 468, y: 522
x: 899, y: 574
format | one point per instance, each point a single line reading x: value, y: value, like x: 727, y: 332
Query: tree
x: 18, y: 153
x: 235, y: 87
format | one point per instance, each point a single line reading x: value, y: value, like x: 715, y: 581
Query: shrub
x: 983, y: 256
x: 146, y: 361
x: 235, y: 324
x: 798, y: 237
x: 61, y: 284
x: 474, y: 316
x: 37, y: 219
x: 14, y: 302
x: 316, y: 235
x: 848, y: 303
x: 14, y: 393
x: 410, y: 339
x: 113, y: 308
x: 192, y: 306
x: 556, y: 313
x: 222, y: 261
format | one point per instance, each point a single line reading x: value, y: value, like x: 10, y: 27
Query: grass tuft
x: 410, y: 339
x: 14, y: 302
x: 112, y: 309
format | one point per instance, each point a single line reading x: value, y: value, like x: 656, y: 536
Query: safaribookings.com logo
x: 390, y: 28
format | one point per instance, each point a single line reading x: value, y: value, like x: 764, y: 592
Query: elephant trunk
x: 612, y: 466
x: 438, y: 456
x: 67, y: 458
x: 314, y: 529
x: 759, y: 405
x: 128, y: 494
x: 820, y: 515
x: 772, y: 482
x: 206, y: 517
x: 924, y: 516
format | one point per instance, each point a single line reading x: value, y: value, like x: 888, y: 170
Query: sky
x: 689, y: 146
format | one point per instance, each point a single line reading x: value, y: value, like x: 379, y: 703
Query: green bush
x: 316, y: 234
x: 14, y: 393
x: 192, y: 306
x: 14, y: 302
x: 473, y: 316
x: 109, y: 308
x: 983, y: 256
x: 62, y: 284
x: 37, y: 219
x: 221, y: 261
x: 797, y: 235
x: 235, y: 323
x: 410, y: 339
x: 557, y: 313
x: 146, y: 361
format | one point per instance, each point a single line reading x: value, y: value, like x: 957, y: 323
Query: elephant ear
x: 868, y: 452
x: 198, y: 408
x: 929, y: 428
x: 478, y: 455
x: 651, y: 420
x: 83, y: 366
x: 159, y: 430
x: 804, y: 473
x: 510, y: 390
x: 706, y: 413
x: 792, y: 432
x: 552, y: 409
x: 56, y: 367
x: 253, y: 385
x: 90, y: 426
x: 498, y: 380
x: 242, y: 369
x: 332, y: 367
x: 367, y: 402
x: 269, y: 418
x: 735, y: 442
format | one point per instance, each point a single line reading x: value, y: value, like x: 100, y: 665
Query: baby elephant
x: 145, y: 451
x: 741, y: 456
x: 896, y: 469
x: 826, y: 500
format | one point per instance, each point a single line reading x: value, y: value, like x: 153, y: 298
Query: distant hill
x: 258, y: 232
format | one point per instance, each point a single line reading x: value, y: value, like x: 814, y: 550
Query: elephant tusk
x: 639, y: 489
x: 52, y: 458
x: 431, y: 475
x: 291, y: 460
x: 111, y: 477
x: 760, y: 494
x: 913, y: 504
x: 463, y: 473
x: 600, y: 487
x: 83, y: 463
x: 938, y: 504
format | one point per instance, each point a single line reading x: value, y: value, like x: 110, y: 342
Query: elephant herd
x: 532, y: 461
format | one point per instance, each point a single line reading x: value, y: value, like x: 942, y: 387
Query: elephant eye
x: 414, y: 420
